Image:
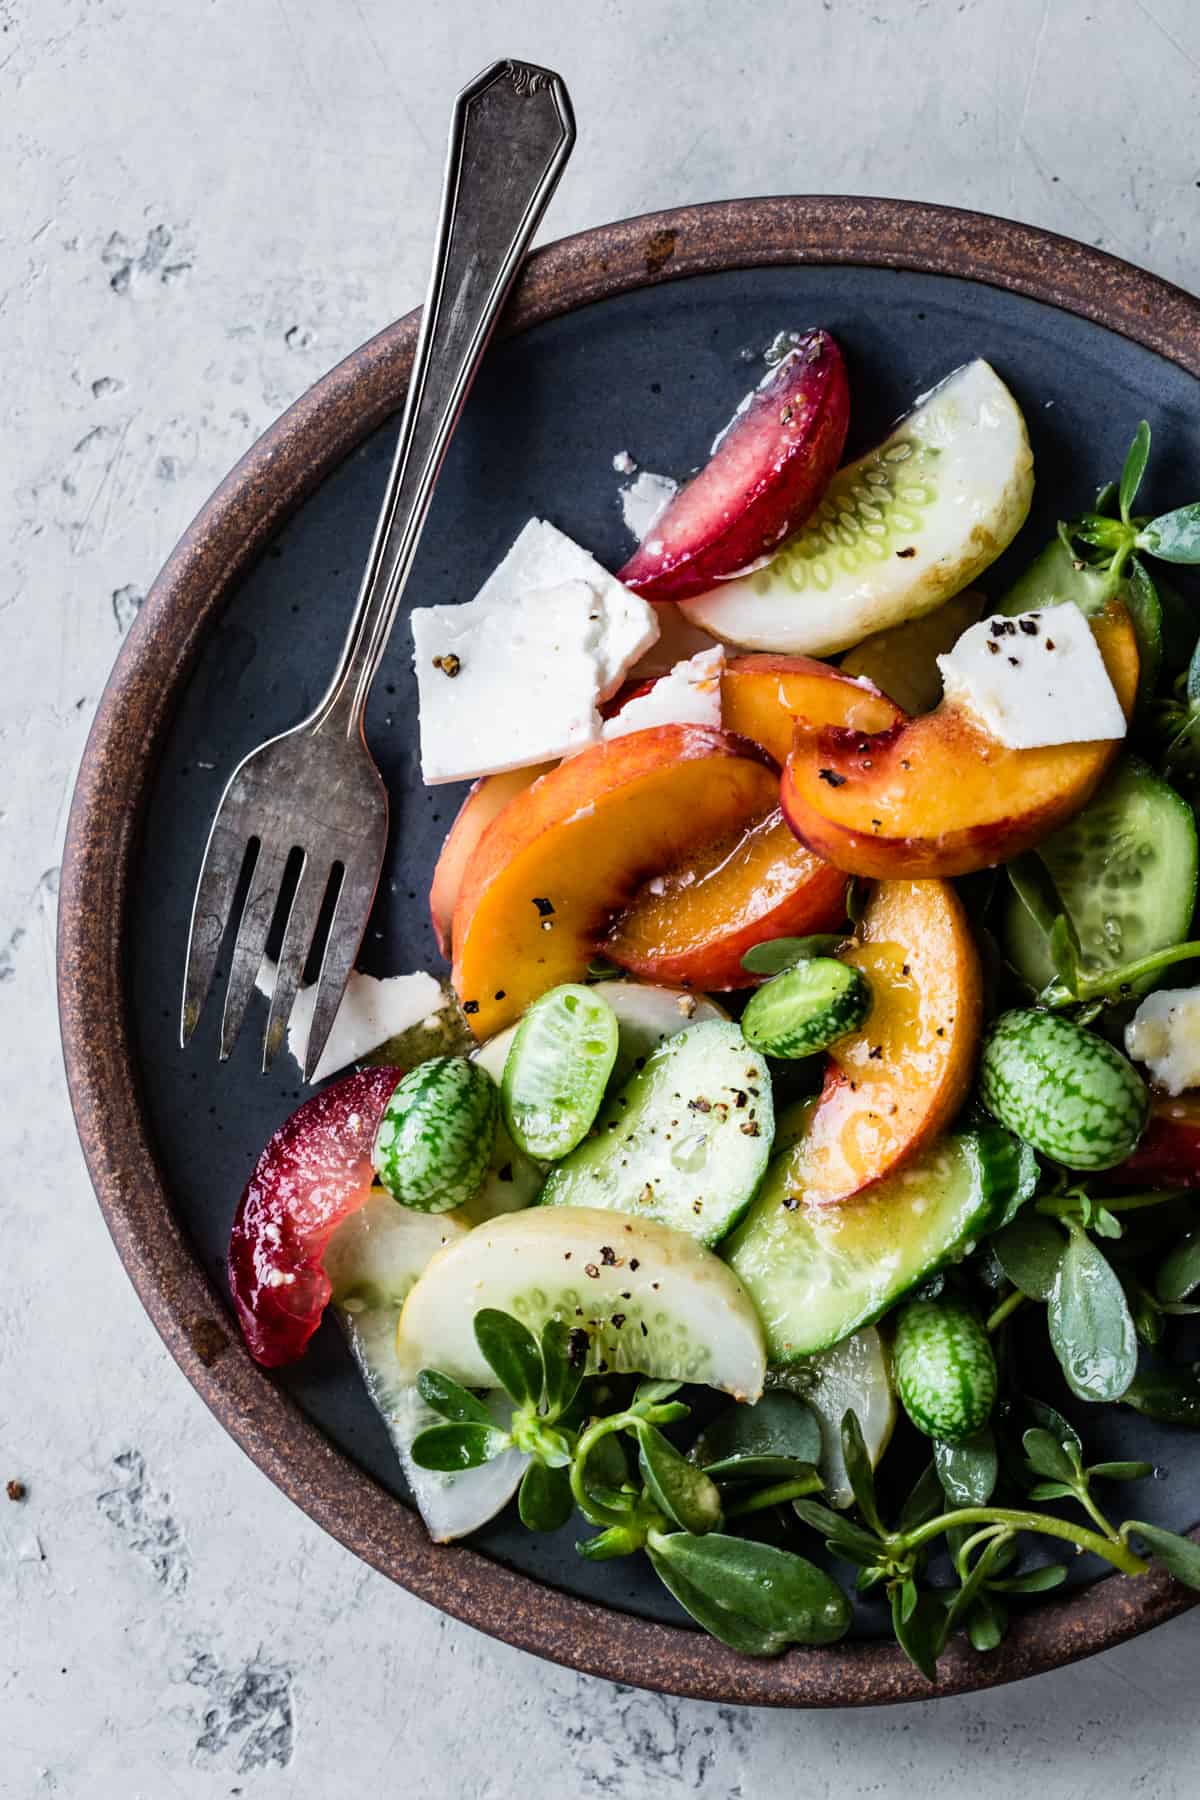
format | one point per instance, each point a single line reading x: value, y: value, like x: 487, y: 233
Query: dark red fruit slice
x: 768, y: 472
x: 315, y: 1171
x: 1169, y: 1152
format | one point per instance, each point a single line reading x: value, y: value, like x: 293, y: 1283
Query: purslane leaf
x: 1047, y: 1455
x: 564, y: 1359
x: 1090, y: 1325
x: 968, y: 1469
x: 1178, y: 1554
x: 544, y: 1498
x: 1030, y: 1251
x: 449, y: 1448
x: 778, y: 954
x: 677, y: 1487
x: 922, y: 1634
x: 1135, y: 467
x: 512, y: 1351
x: 1179, y: 1272
x: 1174, y: 536
x: 447, y: 1397
x: 859, y: 1472
x: 764, y: 1442
x: 774, y: 1590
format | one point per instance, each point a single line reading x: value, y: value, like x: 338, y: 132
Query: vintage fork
x: 315, y: 790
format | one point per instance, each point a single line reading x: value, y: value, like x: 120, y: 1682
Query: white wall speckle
x: 205, y: 204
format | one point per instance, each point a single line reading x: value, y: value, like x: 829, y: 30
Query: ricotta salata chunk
x: 515, y: 676
x: 372, y: 1010
x: 689, y: 695
x: 1164, y: 1033
x: 1034, y: 680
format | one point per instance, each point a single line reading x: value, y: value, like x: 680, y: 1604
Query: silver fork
x: 316, y: 790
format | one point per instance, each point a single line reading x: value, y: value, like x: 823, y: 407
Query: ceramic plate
x: 641, y: 337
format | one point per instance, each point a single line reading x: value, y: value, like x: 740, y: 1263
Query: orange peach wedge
x: 896, y: 1084
x: 547, y: 876
x: 486, y: 801
x: 939, y: 796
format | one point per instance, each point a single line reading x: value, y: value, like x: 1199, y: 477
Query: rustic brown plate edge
x: 286, y: 463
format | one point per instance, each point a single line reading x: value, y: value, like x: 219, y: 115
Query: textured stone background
x: 204, y: 204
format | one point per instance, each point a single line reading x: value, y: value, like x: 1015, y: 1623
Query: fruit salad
x: 810, y: 1105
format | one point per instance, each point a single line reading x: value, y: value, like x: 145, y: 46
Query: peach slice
x: 551, y: 870
x: 763, y: 697
x: 691, y: 927
x: 896, y: 1084
x: 939, y: 796
x: 486, y: 801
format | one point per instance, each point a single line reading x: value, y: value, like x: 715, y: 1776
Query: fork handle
x: 510, y: 137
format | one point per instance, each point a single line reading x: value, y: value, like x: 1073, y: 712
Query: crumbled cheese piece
x: 1034, y: 680
x: 645, y: 500
x: 544, y: 557
x: 371, y: 1012
x: 689, y: 695
x: 1164, y: 1033
x: 623, y: 463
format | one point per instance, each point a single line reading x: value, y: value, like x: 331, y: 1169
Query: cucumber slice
x: 855, y: 1375
x: 817, y: 1273
x: 1125, y: 870
x: 684, y: 1142
x: 898, y: 532
x: 557, y: 1069
x: 512, y: 1180
x: 807, y: 1008
x: 649, y: 1299
x: 373, y: 1260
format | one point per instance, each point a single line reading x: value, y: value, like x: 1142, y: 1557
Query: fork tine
x: 257, y: 914
x: 224, y: 855
x: 345, y: 935
x: 297, y: 941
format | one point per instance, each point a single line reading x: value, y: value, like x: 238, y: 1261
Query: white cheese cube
x: 1164, y: 1033
x: 545, y: 557
x: 689, y: 695
x: 505, y: 685
x: 1034, y: 680
x: 372, y: 1011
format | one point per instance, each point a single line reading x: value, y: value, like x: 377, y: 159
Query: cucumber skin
x: 435, y: 1139
x: 790, y: 1017
x: 1064, y: 1090
x: 596, y: 1020
x: 944, y: 1369
x: 999, y: 1171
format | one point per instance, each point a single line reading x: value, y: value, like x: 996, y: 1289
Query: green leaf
x: 843, y: 1536
x: 512, y: 1351
x: 1178, y: 1554
x: 564, y: 1359
x: 1049, y: 1419
x: 972, y: 1587
x: 1064, y: 952
x: 1170, y: 1395
x: 987, y: 1623
x: 1104, y: 1224
x: 1122, y: 1471
x: 925, y: 1500
x: 1047, y: 1456
x: 616, y: 1540
x: 450, y: 1448
x: 1179, y: 1272
x: 778, y: 954
x: 544, y: 1498
x: 764, y: 1442
x: 676, y: 1486
x: 859, y: 1472
x: 922, y: 1634
x: 1145, y: 609
x: 1034, y: 1581
x: 1106, y: 500
x: 607, y: 1466
x: 452, y: 1401
x: 967, y: 1470
x: 1035, y: 888
x: 774, y: 1590
x: 654, y: 1393
x: 718, y: 1621
x: 1175, y: 536
x: 1051, y: 1490
x: 1134, y: 469
x: 1144, y: 1310
x: 1030, y: 1251
x: 1090, y: 1325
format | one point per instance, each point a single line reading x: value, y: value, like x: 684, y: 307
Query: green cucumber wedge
x: 648, y: 1298
x: 1125, y: 870
x: 557, y: 1069
x: 1064, y: 1090
x: 685, y: 1141
x: 898, y: 532
x: 806, y: 1008
x: 944, y: 1368
x: 817, y: 1273
x: 436, y: 1136
x: 373, y: 1261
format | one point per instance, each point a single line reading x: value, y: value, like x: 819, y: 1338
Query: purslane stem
x: 778, y: 1495
x: 1005, y: 1310
x: 1112, y: 1550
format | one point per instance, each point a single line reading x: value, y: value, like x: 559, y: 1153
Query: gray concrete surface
x: 204, y: 204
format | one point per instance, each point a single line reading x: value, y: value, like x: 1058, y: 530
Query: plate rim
x: 292, y: 457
